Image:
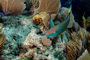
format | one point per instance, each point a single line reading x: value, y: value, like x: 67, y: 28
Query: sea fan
x: 2, y: 37
x: 12, y: 6
x: 49, y: 6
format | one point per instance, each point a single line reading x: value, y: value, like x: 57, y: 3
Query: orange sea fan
x: 12, y: 6
x: 49, y: 6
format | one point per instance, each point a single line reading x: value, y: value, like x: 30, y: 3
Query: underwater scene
x: 44, y: 29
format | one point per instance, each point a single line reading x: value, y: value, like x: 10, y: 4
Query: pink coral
x: 12, y: 6
x: 46, y: 41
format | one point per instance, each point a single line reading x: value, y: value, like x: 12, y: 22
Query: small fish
x: 58, y: 29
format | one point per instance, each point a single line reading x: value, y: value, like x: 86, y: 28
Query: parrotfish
x: 58, y: 29
x: 51, y: 23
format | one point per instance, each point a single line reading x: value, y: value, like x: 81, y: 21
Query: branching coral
x: 85, y: 22
x: 12, y: 6
x: 78, y: 44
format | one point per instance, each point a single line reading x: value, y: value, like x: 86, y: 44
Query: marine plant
x: 12, y: 7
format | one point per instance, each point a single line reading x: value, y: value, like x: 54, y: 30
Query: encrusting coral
x: 31, y: 43
x: 12, y: 7
x: 32, y: 40
x: 46, y: 41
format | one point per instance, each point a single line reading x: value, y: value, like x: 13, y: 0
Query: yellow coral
x: 85, y: 22
x: 43, y: 18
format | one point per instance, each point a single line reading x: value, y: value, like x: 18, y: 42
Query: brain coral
x: 12, y: 6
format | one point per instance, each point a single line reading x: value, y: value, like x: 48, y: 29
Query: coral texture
x: 32, y: 40
x: 44, y: 23
x: 49, y: 6
x: 85, y: 56
x: 46, y: 41
x: 12, y: 6
x: 78, y: 44
x: 32, y: 5
x: 16, y: 28
x: 2, y: 38
x: 62, y: 15
x: 47, y: 9
x: 85, y: 22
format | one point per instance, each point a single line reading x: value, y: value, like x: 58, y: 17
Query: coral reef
x: 78, y: 44
x: 43, y: 20
x: 32, y: 40
x: 25, y: 36
x: 32, y: 5
x: 85, y: 22
x: 46, y: 41
x: 2, y: 37
x: 62, y: 15
x: 47, y: 9
x: 85, y: 56
x: 12, y: 6
x: 16, y: 28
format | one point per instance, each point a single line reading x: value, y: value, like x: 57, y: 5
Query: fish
x: 51, y: 23
x: 54, y: 31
